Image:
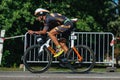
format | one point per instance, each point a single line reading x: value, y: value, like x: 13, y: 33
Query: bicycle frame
x: 73, y: 37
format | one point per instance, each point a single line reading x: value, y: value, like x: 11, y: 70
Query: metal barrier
x: 99, y: 42
x: 2, y: 39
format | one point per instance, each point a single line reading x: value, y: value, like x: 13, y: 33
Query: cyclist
x: 60, y: 24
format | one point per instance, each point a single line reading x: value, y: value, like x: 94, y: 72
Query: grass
x: 10, y: 69
x: 96, y: 69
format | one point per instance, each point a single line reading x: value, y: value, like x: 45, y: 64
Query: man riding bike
x: 61, y: 24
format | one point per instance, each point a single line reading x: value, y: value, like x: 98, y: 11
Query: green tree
x: 15, y: 17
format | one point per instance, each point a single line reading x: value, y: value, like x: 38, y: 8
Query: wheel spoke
x: 87, y: 62
x: 35, y: 62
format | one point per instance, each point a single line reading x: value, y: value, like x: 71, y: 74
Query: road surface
x: 24, y: 75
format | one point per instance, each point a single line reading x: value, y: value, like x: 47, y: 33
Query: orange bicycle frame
x: 77, y: 53
x: 51, y: 50
x: 75, y: 50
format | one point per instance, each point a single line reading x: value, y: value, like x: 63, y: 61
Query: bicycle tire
x: 86, y: 64
x: 37, y: 62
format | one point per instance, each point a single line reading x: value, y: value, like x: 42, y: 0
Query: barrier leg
x: 1, y: 43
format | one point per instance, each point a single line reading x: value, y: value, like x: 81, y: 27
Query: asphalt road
x: 21, y: 75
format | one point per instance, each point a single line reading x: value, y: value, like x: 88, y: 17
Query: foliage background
x: 17, y: 15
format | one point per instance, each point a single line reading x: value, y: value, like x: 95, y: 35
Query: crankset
x: 64, y: 62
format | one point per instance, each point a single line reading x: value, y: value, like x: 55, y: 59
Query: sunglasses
x: 41, y: 14
x: 37, y: 15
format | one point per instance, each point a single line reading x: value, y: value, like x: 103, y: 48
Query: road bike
x: 38, y: 58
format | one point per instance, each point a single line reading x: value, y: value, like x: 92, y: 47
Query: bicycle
x: 38, y: 58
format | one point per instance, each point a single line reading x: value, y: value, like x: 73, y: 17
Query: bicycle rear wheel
x: 37, y: 62
x: 88, y: 59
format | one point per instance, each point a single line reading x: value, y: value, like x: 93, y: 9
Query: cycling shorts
x: 67, y: 25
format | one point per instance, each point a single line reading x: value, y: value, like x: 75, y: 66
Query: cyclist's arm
x: 41, y: 31
x: 44, y: 31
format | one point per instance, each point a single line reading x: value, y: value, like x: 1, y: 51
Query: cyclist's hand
x: 30, y: 32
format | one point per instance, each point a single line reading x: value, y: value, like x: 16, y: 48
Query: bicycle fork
x: 74, y: 37
x: 77, y: 53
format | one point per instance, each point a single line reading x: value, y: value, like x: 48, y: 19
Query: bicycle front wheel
x: 37, y: 62
x: 87, y: 62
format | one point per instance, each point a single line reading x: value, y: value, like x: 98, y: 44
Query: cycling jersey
x: 59, y: 21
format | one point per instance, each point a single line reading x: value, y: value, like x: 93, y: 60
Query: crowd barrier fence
x: 99, y: 42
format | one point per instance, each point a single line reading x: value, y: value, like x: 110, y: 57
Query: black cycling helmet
x: 41, y: 12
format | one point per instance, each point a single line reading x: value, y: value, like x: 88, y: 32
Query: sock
x: 58, y: 46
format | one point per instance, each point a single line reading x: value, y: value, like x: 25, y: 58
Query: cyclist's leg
x: 62, y: 29
x: 62, y: 42
x: 58, y: 30
x: 66, y: 30
x: 65, y: 48
x: 52, y: 34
